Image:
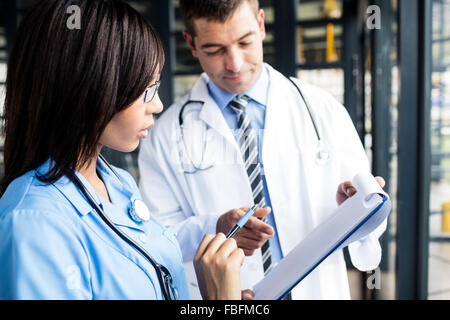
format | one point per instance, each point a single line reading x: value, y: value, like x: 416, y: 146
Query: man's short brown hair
x: 214, y: 10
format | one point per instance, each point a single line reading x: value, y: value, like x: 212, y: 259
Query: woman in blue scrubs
x: 82, y: 75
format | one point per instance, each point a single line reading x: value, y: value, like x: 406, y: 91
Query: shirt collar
x: 258, y: 92
x: 67, y: 189
x: 76, y: 198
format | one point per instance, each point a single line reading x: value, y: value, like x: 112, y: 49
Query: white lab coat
x: 302, y: 192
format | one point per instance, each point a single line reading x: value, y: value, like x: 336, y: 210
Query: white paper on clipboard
x: 353, y: 220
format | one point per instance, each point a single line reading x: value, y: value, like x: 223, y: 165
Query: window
x: 439, y: 219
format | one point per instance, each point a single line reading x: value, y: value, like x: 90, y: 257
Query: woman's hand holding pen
x: 217, y: 265
x: 255, y: 232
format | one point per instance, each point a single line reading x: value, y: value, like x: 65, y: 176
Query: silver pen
x: 242, y: 221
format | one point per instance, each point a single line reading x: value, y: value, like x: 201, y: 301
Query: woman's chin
x: 130, y: 147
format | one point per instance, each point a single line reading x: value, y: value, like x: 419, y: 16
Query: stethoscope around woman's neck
x: 139, y: 213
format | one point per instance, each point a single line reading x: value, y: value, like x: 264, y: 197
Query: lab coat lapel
x: 283, y: 154
x: 277, y: 118
x: 210, y: 112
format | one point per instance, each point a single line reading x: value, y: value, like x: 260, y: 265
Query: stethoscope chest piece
x: 322, y: 155
x: 139, y: 211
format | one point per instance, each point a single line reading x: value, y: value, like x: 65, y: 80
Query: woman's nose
x: 155, y: 106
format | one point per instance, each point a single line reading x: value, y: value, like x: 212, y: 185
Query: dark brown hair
x: 214, y: 10
x: 64, y: 85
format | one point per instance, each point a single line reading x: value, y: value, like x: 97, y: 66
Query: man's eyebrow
x: 209, y: 45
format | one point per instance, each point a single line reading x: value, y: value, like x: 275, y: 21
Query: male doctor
x: 244, y: 136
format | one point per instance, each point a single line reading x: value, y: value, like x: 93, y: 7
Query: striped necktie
x: 249, y: 150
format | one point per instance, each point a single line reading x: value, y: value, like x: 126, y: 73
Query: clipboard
x: 353, y: 220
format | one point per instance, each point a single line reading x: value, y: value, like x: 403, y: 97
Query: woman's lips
x: 144, y: 132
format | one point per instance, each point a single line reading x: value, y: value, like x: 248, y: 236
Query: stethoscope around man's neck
x: 321, y: 156
x: 139, y: 213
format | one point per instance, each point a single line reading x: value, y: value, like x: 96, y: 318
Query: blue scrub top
x: 54, y: 245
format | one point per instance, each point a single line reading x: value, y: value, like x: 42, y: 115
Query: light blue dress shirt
x: 53, y: 244
x: 256, y: 111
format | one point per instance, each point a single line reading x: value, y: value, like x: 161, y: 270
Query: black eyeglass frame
x: 151, y: 91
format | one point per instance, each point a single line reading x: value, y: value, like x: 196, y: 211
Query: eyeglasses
x: 150, y: 91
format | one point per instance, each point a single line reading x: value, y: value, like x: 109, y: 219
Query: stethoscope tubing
x: 308, y: 107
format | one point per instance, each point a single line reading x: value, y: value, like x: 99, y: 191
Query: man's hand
x: 347, y: 189
x: 247, y: 294
x: 255, y: 232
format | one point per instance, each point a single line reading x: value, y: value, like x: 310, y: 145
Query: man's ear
x: 190, y: 42
x: 260, y: 18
